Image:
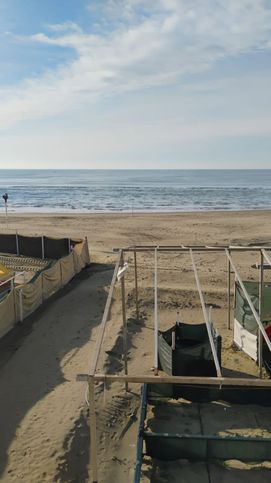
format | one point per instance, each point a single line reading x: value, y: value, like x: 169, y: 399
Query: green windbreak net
x: 192, y: 354
x: 242, y: 311
x: 36, y: 246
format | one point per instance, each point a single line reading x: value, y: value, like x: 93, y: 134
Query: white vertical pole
x: 136, y: 286
x: 229, y: 294
x: 234, y: 293
x: 173, y: 340
x: 155, y: 315
x: 124, y: 322
x: 260, y: 337
x: 250, y: 303
x: 205, y: 315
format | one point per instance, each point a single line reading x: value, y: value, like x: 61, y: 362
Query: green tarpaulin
x: 192, y: 355
x: 242, y: 311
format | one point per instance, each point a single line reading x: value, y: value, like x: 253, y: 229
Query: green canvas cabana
x: 246, y: 330
x: 190, y: 353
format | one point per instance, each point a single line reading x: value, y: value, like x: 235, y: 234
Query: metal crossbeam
x: 198, y: 248
x: 184, y: 380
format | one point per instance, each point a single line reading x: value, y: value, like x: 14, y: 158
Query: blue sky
x: 135, y: 84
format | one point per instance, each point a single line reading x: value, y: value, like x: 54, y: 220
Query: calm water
x: 137, y: 190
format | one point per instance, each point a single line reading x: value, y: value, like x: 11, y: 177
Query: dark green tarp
x: 192, y: 354
x: 8, y: 243
x: 32, y: 246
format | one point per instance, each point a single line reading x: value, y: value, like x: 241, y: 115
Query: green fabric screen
x: 242, y: 311
x: 193, y: 353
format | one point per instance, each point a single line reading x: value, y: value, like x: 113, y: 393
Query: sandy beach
x: 44, y: 415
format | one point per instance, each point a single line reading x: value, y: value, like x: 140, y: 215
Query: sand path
x: 43, y: 430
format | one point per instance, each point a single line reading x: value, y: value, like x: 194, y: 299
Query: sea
x: 132, y: 191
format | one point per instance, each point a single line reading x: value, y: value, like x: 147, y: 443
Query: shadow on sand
x: 30, y: 363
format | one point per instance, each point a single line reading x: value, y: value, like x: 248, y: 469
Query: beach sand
x: 43, y: 410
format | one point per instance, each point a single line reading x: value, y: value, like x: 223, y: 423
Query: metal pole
x: 173, y: 340
x: 234, y: 294
x: 104, y: 319
x: 124, y: 322
x: 155, y: 315
x: 185, y: 380
x: 260, y: 337
x: 204, y: 311
x: 93, y: 432
x: 250, y: 303
x: 136, y: 286
x: 266, y: 256
x: 196, y: 248
x: 229, y: 294
x: 11, y: 278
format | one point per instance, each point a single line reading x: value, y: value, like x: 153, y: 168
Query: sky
x: 135, y: 84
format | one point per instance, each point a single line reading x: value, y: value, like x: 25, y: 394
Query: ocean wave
x: 137, y: 191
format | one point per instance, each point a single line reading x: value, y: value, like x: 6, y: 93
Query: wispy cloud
x: 64, y: 27
x: 125, y: 146
x: 146, y: 45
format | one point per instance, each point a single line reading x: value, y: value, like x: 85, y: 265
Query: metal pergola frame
x: 195, y: 446
x: 93, y: 377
